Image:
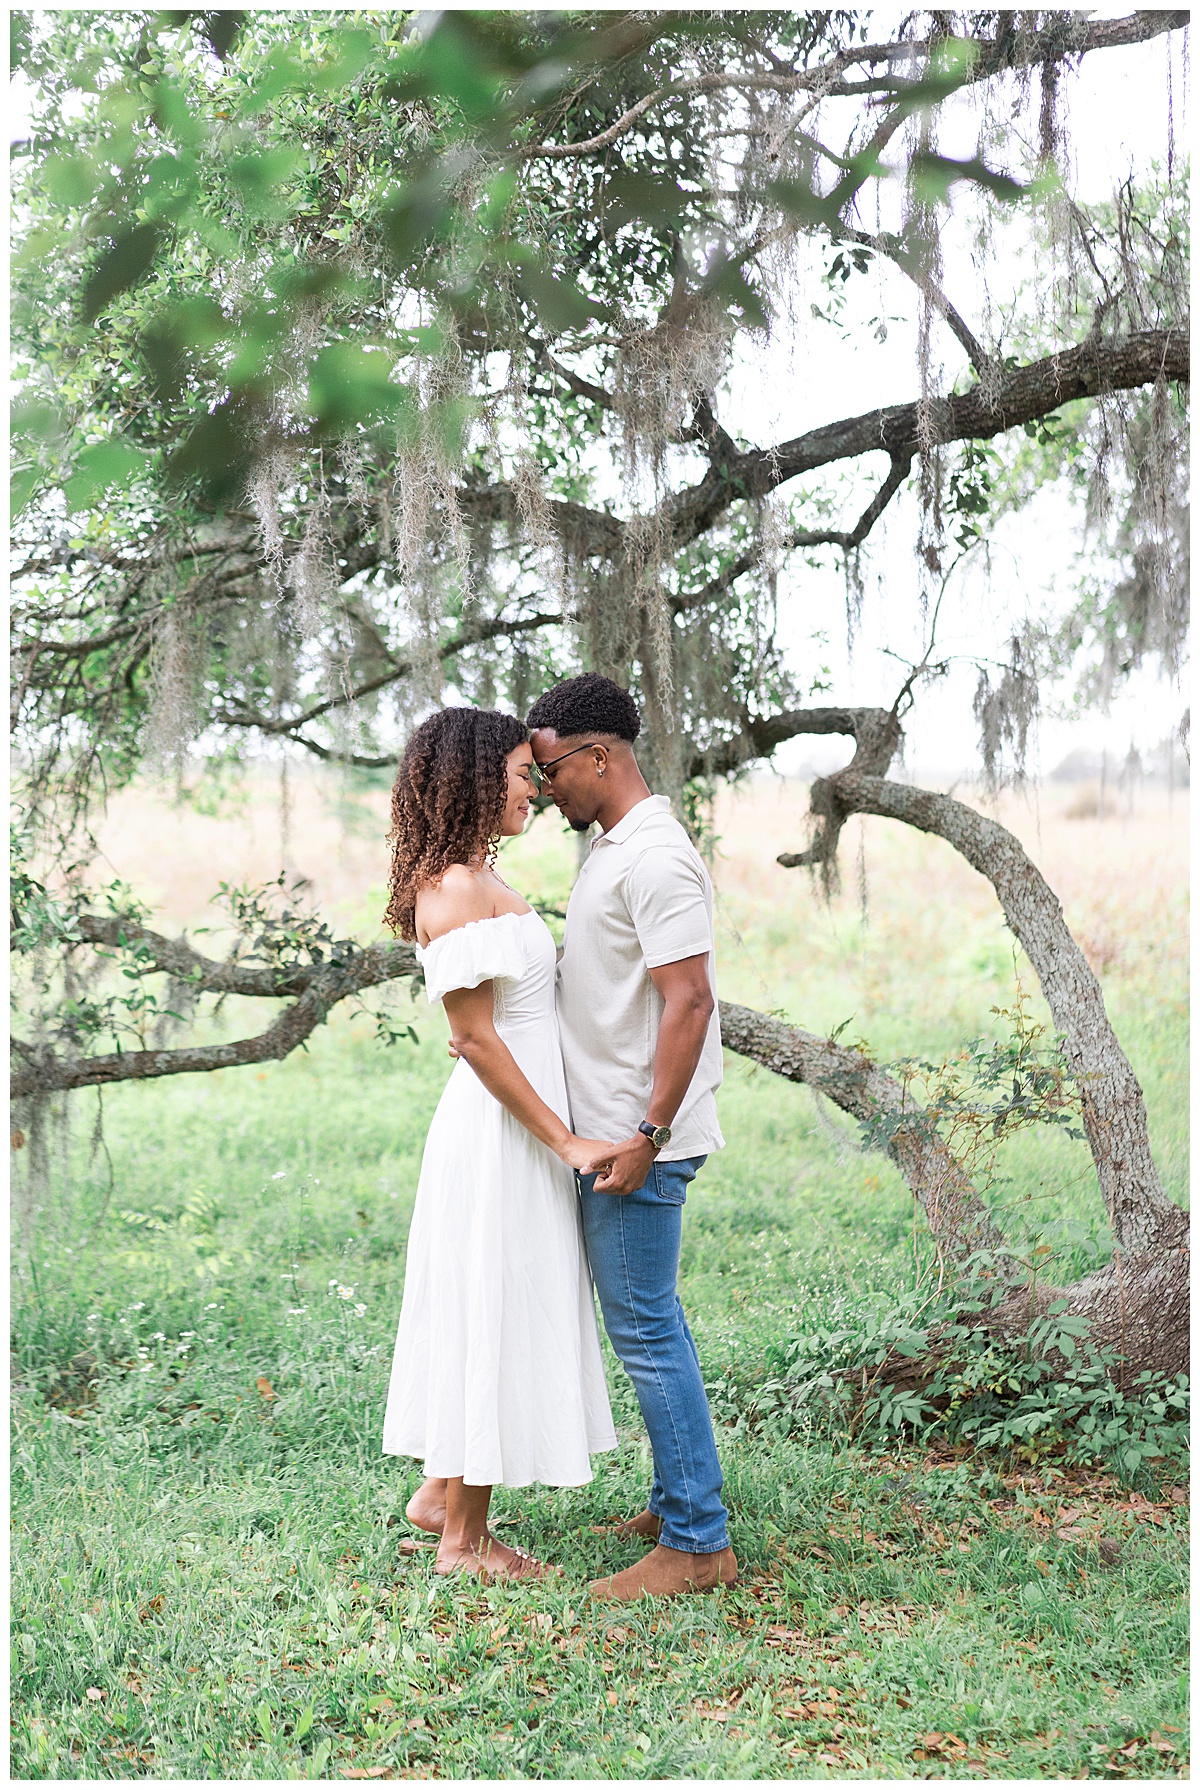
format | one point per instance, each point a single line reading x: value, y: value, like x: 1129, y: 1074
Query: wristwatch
x: 658, y: 1134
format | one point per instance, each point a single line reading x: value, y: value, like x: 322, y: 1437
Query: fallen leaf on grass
x: 370, y: 1771
x: 265, y: 1388
x: 93, y: 1695
x: 408, y: 1546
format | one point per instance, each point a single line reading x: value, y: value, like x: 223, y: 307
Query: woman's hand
x: 587, y: 1155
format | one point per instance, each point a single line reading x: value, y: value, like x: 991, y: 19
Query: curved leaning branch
x: 959, y: 1221
x: 1141, y: 1214
x: 316, y: 989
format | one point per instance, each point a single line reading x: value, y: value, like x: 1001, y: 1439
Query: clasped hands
x: 618, y: 1168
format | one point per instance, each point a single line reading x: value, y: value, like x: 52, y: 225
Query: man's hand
x: 629, y: 1164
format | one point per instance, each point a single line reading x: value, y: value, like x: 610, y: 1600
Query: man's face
x: 571, y: 781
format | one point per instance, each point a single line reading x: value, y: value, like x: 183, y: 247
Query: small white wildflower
x: 297, y: 1311
x: 279, y: 1174
x: 212, y: 1306
x: 360, y: 1311
x: 287, y: 1277
x: 159, y: 1336
x: 184, y: 1333
x: 181, y: 1349
x: 333, y: 1282
x: 138, y: 1305
x: 143, y: 1352
x: 345, y: 1292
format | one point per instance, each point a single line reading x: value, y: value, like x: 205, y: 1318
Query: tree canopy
x: 361, y: 351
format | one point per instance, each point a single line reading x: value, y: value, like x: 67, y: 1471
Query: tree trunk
x: 1137, y: 1304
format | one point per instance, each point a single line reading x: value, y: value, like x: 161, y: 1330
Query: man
x: 642, y: 1049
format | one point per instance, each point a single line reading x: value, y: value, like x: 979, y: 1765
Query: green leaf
x: 221, y: 30
x: 418, y: 214
x: 21, y: 488
x: 20, y: 36
x: 304, y: 1722
x: 261, y: 180
x: 800, y: 201
x: 559, y: 303
x: 216, y: 453
x: 70, y: 180
x: 101, y: 466
x: 350, y: 384
x: 455, y: 65
x: 631, y: 195
x: 933, y: 176
x: 127, y: 262
x: 727, y: 280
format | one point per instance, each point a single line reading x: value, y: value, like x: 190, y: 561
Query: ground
x: 211, y: 1572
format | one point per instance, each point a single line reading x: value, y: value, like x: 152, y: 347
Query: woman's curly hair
x: 447, y: 801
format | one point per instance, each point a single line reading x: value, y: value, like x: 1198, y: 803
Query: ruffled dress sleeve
x: 482, y: 951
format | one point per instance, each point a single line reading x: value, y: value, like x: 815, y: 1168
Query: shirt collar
x: 629, y: 823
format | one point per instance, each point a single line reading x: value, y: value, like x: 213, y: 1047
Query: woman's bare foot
x: 491, y: 1559
x: 426, y: 1509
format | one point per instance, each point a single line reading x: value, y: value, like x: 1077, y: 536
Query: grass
x: 207, y: 1572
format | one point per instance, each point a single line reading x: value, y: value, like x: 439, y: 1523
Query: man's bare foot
x: 646, y: 1527
x: 668, y: 1572
x: 426, y: 1509
x: 491, y: 1559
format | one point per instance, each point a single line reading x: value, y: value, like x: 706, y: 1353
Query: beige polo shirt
x: 643, y: 898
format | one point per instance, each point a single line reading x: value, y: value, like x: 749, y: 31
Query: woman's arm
x: 476, y: 1040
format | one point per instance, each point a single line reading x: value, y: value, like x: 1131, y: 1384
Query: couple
x: 497, y: 1377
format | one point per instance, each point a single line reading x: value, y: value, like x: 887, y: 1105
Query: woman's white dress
x: 497, y: 1374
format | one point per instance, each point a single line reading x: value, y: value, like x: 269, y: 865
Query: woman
x: 497, y: 1376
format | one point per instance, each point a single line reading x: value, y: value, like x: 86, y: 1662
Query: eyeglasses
x: 543, y: 774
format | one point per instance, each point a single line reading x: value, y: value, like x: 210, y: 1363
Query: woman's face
x: 520, y: 791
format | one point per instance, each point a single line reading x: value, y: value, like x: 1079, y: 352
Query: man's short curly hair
x: 587, y: 704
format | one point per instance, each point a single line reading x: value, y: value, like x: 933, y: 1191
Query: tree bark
x: 1114, y: 1110
x: 959, y: 1221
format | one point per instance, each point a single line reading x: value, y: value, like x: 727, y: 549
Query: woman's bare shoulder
x: 459, y: 896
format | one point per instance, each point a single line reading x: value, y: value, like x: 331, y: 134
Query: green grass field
x: 208, y: 1578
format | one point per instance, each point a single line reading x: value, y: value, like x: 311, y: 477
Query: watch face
x: 662, y: 1136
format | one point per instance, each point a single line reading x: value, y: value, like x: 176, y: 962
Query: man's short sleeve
x: 668, y: 905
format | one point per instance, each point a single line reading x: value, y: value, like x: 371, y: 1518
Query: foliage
x: 1033, y: 1397
x: 339, y: 352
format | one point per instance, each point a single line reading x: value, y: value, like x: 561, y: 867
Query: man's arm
x: 687, y: 1008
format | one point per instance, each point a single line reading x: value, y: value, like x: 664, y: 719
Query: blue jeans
x: 633, y: 1248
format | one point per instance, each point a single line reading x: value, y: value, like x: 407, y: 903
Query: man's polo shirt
x: 643, y: 898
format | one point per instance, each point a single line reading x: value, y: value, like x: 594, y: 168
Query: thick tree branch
x: 1019, y: 395
x: 847, y: 539
x: 1114, y: 1112
x: 318, y: 988
x: 959, y: 1221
